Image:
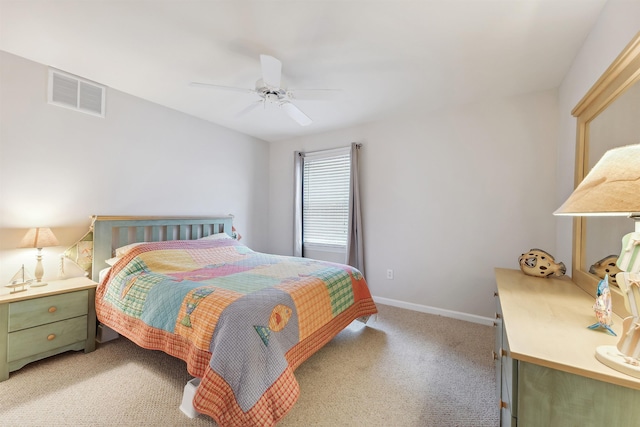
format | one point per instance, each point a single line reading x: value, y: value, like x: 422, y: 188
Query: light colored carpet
x: 402, y: 369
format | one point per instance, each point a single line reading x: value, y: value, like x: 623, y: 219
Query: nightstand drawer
x: 43, y: 338
x: 39, y: 311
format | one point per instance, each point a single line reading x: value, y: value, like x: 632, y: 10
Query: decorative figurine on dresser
x: 19, y: 280
x: 602, y: 307
x: 538, y: 263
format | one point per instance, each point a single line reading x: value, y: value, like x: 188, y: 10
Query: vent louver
x: 67, y: 90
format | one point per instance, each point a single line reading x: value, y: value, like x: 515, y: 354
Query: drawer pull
x: 51, y: 337
x: 503, y: 352
x: 503, y: 404
x: 495, y: 355
x: 53, y: 309
x: 498, y: 316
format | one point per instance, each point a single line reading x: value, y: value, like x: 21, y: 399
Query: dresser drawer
x: 39, y: 311
x: 29, y: 342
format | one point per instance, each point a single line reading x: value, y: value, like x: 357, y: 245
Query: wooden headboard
x: 110, y: 232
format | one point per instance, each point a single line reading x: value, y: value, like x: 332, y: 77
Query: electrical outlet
x: 389, y: 273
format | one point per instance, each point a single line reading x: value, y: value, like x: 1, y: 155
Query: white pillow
x: 112, y: 261
x: 122, y: 250
x: 126, y: 248
x: 216, y: 236
x: 103, y: 273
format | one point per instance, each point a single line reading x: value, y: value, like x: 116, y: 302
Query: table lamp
x: 39, y: 238
x: 612, y: 188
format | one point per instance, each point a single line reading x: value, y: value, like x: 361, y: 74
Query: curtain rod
x: 303, y: 153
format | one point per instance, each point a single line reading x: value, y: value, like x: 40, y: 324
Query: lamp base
x: 37, y: 284
x: 611, y: 356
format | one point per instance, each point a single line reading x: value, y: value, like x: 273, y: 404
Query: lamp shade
x: 611, y: 188
x: 39, y: 238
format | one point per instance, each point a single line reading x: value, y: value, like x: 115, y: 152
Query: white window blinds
x: 325, y: 198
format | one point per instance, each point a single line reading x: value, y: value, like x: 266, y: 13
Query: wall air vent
x: 67, y: 90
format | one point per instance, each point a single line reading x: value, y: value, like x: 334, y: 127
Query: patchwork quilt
x: 242, y: 320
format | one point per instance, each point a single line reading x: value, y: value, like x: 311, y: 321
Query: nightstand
x: 44, y: 321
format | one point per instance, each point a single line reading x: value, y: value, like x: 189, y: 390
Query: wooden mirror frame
x: 621, y: 74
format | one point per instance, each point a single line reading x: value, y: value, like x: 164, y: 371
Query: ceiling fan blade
x: 315, y: 94
x: 230, y: 88
x: 296, y: 114
x: 249, y: 108
x: 271, y: 71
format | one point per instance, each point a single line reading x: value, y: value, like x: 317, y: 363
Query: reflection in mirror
x: 601, y: 117
x: 618, y: 125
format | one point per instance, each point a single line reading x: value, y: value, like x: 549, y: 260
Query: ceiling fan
x: 270, y: 91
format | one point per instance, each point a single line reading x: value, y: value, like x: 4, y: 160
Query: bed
x: 242, y: 320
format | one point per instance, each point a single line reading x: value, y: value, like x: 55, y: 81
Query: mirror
x: 617, y: 125
x: 608, y: 116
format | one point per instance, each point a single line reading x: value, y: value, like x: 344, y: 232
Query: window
x: 325, y: 198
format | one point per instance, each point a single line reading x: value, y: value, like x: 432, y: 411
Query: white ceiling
x: 386, y: 56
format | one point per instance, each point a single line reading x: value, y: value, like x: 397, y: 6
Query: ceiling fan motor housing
x: 270, y: 94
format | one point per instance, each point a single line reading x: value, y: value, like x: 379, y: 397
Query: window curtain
x: 297, y: 203
x: 355, y: 246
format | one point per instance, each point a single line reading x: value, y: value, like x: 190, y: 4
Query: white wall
x: 58, y: 166
x: 447, y: 196
x: 616, y: 26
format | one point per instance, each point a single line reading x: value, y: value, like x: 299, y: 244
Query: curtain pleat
x: 355, y: 246
x: 297, y: 203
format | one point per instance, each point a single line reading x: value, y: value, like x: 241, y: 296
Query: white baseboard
x: 437, y: 311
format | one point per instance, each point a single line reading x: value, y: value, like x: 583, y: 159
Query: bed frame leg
x: 105, y: 334
x: 187, y: 398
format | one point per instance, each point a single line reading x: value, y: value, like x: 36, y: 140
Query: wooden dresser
x: 43, y: 321
x: 547, y: 373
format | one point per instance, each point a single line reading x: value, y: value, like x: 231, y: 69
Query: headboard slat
x: 155, y: 234
x: 123, y: 236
